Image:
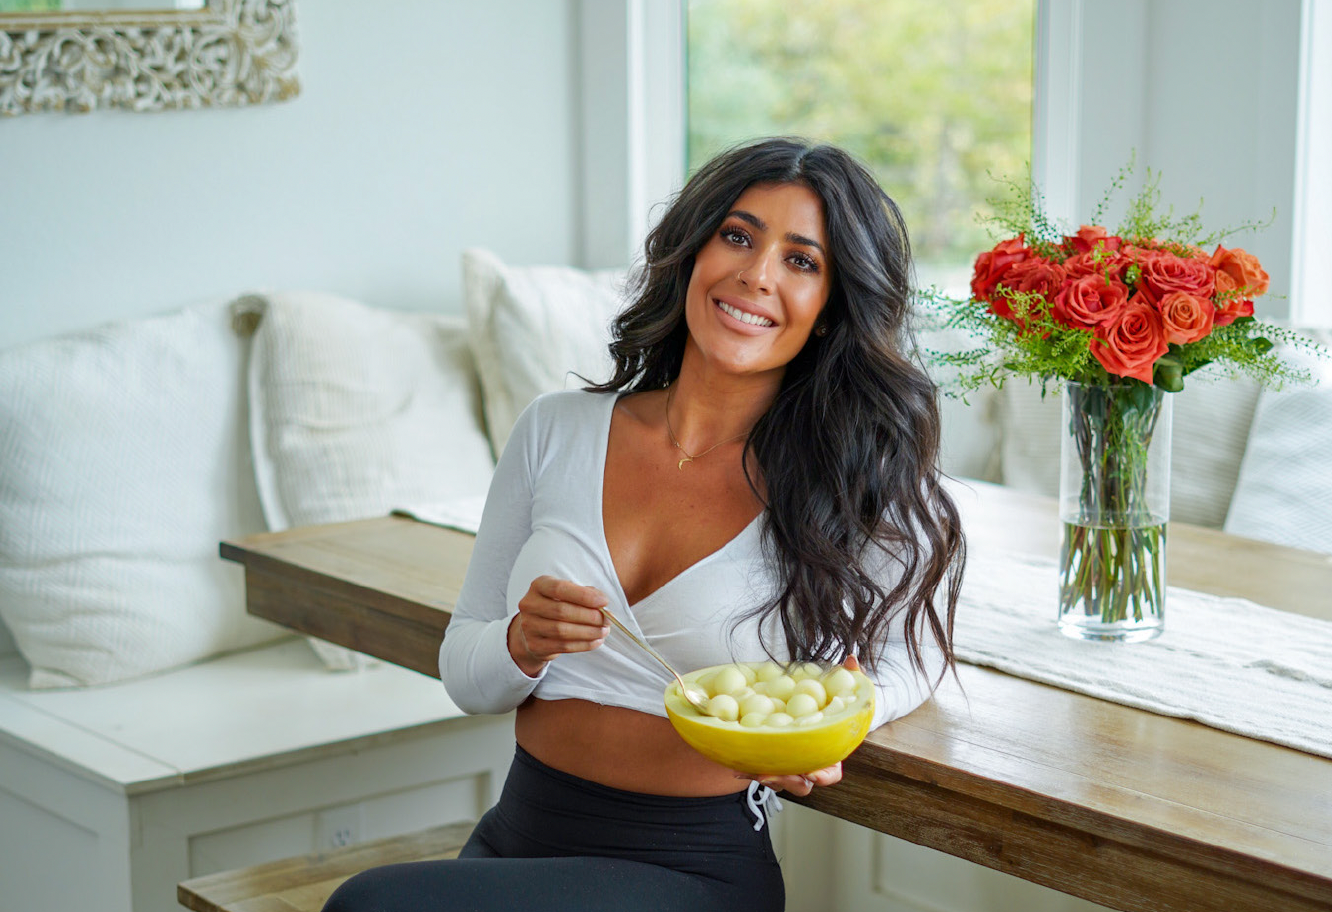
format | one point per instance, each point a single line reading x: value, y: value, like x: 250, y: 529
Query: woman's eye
x: 805, y: 263
x: 734, y: 236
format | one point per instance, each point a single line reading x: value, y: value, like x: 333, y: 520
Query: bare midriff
x: 621, y: 748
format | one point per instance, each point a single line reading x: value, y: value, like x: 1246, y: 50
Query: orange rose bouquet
x: 1118, y: 319
x: 1151, y: 302
x: 1138, y: 303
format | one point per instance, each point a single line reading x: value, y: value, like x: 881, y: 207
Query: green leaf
x: 1168, y: 374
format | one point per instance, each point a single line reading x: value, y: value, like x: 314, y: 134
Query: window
x: 935, y: 98
x: 1310, y: 303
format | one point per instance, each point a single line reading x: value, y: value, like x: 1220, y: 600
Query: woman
x: 758, y: 477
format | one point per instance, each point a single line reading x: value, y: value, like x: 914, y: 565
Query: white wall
x: 1207, y: 93
x: 422, y: 127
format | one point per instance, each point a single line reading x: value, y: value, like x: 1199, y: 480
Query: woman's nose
x: 757, y: 272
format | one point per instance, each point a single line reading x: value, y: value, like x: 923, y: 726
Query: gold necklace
x: 688, y: 457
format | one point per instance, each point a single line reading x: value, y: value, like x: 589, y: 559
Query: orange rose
x: 1239, y: 279
x: 1231, y: 309
x: 993, y: 264
x: 1089, y: 301
x: 1164, y: 272
x: 1241, y: 270
x: 1187, y: 317
x: 1130, y: 346
x: 1035, y: 275
x: 1089, y: 237
x: 1092, y: 263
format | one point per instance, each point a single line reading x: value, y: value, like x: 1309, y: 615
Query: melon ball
x: 724, y: 707
x: 728, y: 680
x: 756, y: 703
x: 748, y: 671
x: 778, y: 706
x: 779, y: 720
x: 768, y: 671
x: 807, y: 670
x: 743, y: 693
x: 782, y: 687
x: 754, y: 719
x: 835, y: 705
x: 839, y: 682
x: 801, y: 704
x: 812, y: 687
x: 811, y: 719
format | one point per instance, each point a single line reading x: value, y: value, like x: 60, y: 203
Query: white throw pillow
x: 969, y: 438
x: 357, y: 411
x: 122, y: 465
x: 1284, y: 492
x: 1211, y: 418
x: 535, y: 329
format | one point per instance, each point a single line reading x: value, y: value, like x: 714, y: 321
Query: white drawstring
x: 762, y: 801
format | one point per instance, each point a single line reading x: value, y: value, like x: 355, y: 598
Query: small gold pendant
x: 680, y: 464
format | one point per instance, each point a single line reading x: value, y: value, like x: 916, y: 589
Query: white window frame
x: 631, y: 89
x: 1311, y: 274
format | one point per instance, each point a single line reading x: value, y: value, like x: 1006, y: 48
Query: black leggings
x: 556, y: 842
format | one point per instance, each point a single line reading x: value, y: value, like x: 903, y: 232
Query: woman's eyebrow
x: 791, y: 236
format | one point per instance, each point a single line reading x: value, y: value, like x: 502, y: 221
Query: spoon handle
x: 652, y: 652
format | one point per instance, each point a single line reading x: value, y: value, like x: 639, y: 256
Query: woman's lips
x: 749, y: 320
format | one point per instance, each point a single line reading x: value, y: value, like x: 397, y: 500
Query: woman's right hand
x: 555, y: 617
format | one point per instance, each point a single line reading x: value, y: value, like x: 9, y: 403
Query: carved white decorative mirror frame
x: 232, y: 52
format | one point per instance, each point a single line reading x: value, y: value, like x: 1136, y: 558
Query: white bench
x: 111, y: 796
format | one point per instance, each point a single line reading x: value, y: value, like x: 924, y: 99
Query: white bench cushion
x: 534, y: 329
x: 122, y: 464
x: 356, y: 411
x: 1284, y: 493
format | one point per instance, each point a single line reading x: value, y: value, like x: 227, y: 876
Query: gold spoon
x: 688, y: 694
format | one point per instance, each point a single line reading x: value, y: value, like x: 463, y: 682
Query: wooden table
x: 1117, y: 805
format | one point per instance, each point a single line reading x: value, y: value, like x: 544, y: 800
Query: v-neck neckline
x: 600, y: 486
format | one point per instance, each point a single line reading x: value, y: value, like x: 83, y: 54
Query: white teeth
x: 752, y: 319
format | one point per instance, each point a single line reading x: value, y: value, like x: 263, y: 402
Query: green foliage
x: 929, y: 95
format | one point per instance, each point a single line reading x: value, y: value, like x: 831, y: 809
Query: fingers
x: 562, y: 590
x: 804, y: 784
x: 851, y: 663
x: 554, y: 618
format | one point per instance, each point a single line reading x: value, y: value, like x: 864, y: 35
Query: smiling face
x: 760, y: 282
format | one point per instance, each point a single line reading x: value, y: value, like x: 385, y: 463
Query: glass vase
x: 1114, y: 501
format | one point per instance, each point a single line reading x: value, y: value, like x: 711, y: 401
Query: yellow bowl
x: 757, y: 749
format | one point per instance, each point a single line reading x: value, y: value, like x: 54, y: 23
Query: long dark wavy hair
x: 849, y: 448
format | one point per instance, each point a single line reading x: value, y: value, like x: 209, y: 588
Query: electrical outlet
x: 338, y: 827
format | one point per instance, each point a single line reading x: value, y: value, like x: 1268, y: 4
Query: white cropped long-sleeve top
x: 543, y: 517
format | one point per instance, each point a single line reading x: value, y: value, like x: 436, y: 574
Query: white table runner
x: 1226, y: 662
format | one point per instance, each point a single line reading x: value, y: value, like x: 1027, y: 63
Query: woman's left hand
x: 802, y: 785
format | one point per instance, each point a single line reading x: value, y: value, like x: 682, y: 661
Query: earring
x: 821, y: 330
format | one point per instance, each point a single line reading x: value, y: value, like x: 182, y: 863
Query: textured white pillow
x: 122, y: 465
x: 356, y: 411
x: 969, y: 439
x: 533, y: 329
x: 1284, y: 492
x: 1211, y: 419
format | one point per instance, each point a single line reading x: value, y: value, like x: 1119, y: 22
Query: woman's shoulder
x: 563, y: 405
x: 564, y: 412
